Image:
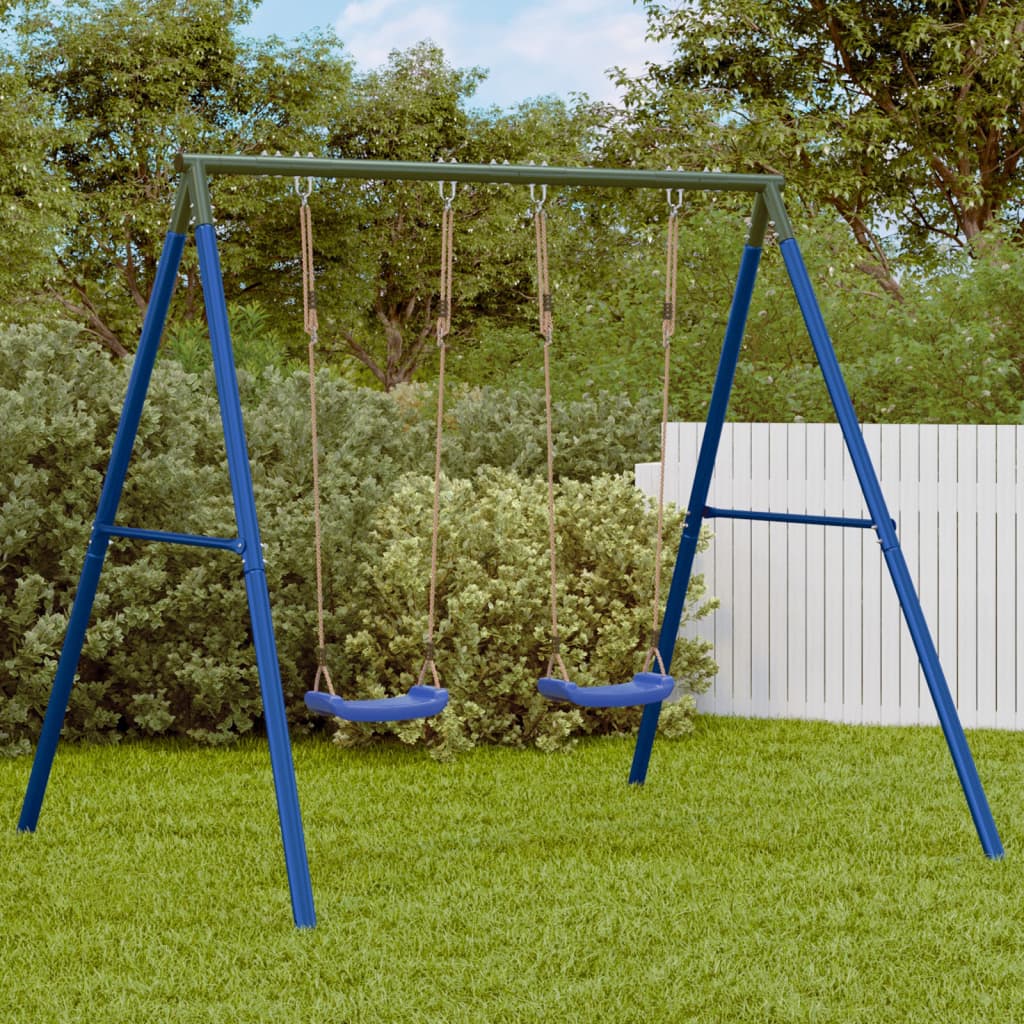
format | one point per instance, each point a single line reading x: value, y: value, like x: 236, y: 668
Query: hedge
x: 169, y: 650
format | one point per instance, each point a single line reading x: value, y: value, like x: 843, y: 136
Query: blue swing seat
x: 643, y: 688
x: 420, y: 702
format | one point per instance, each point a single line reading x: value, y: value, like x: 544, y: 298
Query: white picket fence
x: 809, y: 624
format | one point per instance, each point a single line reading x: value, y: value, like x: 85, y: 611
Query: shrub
x: 168, y: 642
x: 169, y: 650
x: 505, y: 429
x: 255, y: 344
x: 493, y: 618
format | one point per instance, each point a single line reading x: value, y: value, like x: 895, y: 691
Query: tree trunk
x: 402, y: 358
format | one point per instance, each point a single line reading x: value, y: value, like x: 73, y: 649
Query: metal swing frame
x: 193, y: 205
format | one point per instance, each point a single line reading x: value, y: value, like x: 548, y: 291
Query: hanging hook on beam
x: 447, y: 196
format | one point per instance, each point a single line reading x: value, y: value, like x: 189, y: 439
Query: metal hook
x: 674, y: 207
x: 448, y: 198
x: 539, y: 204
x: 304, y: 196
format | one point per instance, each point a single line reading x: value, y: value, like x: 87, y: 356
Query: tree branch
x: 930, y: 226
x: 878, y: 267
x: 364, y: 357
x: 412, y: 360
x: 93, y: 321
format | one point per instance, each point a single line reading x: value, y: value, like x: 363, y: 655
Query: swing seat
x: 643, y: 688
x: 420, y: 702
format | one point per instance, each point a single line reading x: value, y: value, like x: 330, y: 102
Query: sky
x: 530, y: 49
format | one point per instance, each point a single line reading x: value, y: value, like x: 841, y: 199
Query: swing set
x: 648, y: 688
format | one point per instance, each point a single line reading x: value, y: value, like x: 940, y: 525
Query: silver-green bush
x: 169, y: 651
x: 493, y: 617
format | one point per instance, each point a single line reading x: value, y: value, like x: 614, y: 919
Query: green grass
x: 767, y: 872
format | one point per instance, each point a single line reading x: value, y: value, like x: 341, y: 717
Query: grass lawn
x: 767, y: 872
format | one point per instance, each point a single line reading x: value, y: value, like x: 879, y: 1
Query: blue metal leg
x: 110, y: 496
x: 937, y: 685
x: 698, y: 497
x: 296, y: 861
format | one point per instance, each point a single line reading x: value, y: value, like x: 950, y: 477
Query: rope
x: 311, y: 327
x: 545, y: 310
x: 444, y: 326
x: 668, y: 326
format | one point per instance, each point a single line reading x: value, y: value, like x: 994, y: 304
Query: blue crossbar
x: 223, y: 543
x: 787, y: 517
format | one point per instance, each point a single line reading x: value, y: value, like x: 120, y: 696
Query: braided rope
x: 311, y: 327
x: 668, y: 326
x: 545, y: 315
x: 444, y: 325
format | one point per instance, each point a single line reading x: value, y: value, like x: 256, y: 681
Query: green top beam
x: 512, y: 174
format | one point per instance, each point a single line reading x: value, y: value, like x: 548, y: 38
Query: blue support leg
x: 907, y: 594
x: 698, y: 497
x: 283, y: 768
x: 110, y: 496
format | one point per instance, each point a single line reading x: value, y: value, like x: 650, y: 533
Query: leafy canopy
x: 126, y: 85
x: 903, y: 112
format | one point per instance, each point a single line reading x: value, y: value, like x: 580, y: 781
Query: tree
x: 900, y: 112
x: 35, y: 201
x: 126, y: 84
x: 378, y: 242
x: 411, y: 109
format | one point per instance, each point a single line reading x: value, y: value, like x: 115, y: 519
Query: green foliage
x: 378, y: 245
x: 505, y: 428
x: 102, y: 96
x: 130, y: 82
x: 908, y: 113
x: 255, y: 344
x: 169, y: 650
x: 33, y: 200
x: 607, y: 265
x: 949, y: 353
x: 882, y: 115
x: 127, y: 84
x: 168, y: 642
x: 493, y: 618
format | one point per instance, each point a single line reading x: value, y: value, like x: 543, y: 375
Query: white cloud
x: 371, y: 29
x: 369, y: 11
x: 559, y: 47
x: 574, y: 43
